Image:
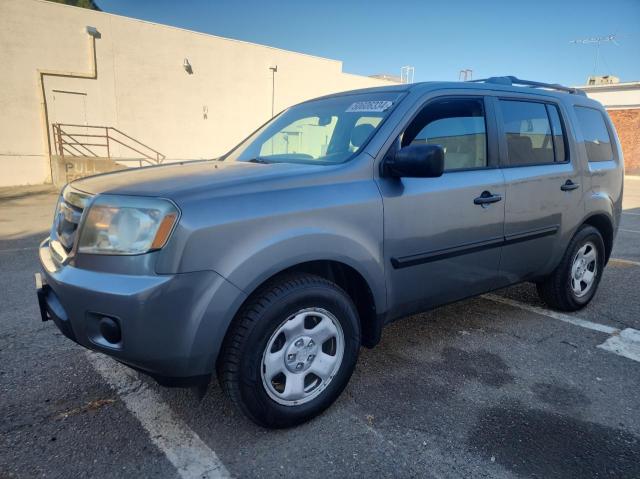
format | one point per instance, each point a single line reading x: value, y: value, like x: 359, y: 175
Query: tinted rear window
x: 594, y: 131
x: 528, y: 131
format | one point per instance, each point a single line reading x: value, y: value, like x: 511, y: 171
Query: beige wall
x: 141, y: 86
x: 616, y: 95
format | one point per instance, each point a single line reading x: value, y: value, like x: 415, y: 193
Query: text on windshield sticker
x: 369, y: 106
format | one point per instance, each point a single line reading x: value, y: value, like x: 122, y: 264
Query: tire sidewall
x: 252, y: 390
x: 588, y: 234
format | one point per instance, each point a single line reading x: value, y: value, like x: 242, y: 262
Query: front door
x: 443, y: 236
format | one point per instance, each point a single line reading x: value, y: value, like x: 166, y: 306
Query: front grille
x: 67, y: 221
x: 67, y: 218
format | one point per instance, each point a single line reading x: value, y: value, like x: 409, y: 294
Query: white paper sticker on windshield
x: 369, y: 106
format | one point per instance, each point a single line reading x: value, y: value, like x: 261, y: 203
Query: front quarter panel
x: 250, y: 236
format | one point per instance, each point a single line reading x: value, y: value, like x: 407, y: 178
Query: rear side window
x: 528, y: 131
x: 596, y: 136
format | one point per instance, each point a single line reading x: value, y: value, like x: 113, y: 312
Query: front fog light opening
x: 110, y: 330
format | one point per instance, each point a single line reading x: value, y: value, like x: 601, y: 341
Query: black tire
x: 239, y: 368
x: 556, y: 289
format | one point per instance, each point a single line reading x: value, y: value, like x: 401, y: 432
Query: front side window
x: 456, y: 124
x: 596, y: 136
x: 528, y: 133
x: 325, y: 131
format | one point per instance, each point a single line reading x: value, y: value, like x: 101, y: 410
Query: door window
x: 456, y: 124
x: 528, y: 133
x: 595, y: 134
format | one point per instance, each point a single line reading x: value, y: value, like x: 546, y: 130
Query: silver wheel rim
x: 302, y: 356
x: 584, y: 269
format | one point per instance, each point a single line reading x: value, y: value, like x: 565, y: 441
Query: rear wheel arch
x: 603, y: 223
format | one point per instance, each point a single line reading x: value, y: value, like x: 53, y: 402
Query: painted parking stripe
x: 624, y: 261
x: 624, y: 343
x: 553, y: 314
x: 630, y: 231
x: 183, y: 447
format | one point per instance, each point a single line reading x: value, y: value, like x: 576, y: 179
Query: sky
x: 526, y: 38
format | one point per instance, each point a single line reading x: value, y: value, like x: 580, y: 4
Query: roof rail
x: 514, y: 81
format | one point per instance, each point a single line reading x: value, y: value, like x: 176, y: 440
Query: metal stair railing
x: 91, y: 140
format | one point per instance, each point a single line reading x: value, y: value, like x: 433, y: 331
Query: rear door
x: 543, y: 185
x: 443, y: 235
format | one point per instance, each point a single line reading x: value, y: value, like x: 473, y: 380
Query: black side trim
x: 531, y: 235
x: 437, y: 255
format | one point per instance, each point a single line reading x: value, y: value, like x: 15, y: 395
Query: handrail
x: 84, y: 144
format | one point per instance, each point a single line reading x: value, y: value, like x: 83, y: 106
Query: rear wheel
x: 291, y: 350
x: 575, y: 281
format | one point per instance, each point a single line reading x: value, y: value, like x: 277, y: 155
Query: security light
x: 187, y: 66
x: 93, y: 31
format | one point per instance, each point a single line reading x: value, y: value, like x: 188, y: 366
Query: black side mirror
x: 415, y: 161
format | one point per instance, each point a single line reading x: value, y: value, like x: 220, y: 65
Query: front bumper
x: 172, y: 326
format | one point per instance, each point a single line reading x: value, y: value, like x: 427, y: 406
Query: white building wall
x: 141, y: 86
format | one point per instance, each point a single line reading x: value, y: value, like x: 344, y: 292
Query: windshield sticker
x: 370, y: 106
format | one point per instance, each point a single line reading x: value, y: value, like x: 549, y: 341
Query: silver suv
x: 272, y: 265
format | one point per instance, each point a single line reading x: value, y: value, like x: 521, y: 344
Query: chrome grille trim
x: 71, y: 205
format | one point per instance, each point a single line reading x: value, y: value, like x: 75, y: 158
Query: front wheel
x: 291, y: 350
x: 574, y: 282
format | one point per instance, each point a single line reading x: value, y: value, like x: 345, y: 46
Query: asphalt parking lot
x: 495, y: 386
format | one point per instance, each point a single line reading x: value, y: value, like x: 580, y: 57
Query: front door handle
x: 569, y: 186
x: 486, y: 197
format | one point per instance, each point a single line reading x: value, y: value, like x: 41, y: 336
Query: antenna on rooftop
x: 597, y: 41
x: 406, y: 74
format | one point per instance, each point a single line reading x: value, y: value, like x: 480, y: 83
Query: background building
x: 156, y: 91
x: 622, y: 101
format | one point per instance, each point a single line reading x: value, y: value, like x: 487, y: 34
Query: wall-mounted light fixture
x: 93, y: 31
x: 187, y: 66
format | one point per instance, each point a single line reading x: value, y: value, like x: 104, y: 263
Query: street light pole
x: 273, y: 87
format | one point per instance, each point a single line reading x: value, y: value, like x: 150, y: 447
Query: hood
x: 175, y: 179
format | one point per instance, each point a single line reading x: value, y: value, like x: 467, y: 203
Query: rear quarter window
x: 597, y: 141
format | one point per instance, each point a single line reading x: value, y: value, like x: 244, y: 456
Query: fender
x: 290, y: 248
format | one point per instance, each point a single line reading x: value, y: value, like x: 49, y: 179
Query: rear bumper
x: 172, y: 326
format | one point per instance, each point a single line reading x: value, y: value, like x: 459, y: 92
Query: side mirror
x: 415, y: 161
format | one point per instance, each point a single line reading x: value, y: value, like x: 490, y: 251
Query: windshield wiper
x: 259, y: 160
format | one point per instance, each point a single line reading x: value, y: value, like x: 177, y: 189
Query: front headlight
x: 127, y: 225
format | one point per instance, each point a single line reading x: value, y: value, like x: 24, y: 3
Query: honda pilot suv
x: 272, y: 265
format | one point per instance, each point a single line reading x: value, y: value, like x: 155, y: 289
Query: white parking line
x: 183, y: 447
x: 624, y: 261
x: 553, y: 314
x: 625, y: 343
x: 629, y: 231
x: 630, y: 214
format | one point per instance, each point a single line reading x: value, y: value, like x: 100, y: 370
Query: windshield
x: 325, y: 131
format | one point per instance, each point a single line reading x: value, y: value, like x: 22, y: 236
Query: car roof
x: 424, y: 87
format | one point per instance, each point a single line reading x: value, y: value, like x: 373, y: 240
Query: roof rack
x: 514, y: 81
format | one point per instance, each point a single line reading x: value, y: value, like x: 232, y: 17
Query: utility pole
x: 598, y: 41
x: 273, y: 88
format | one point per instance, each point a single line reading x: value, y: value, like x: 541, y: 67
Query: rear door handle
x: 569, y: 186
x: 486, y: 197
